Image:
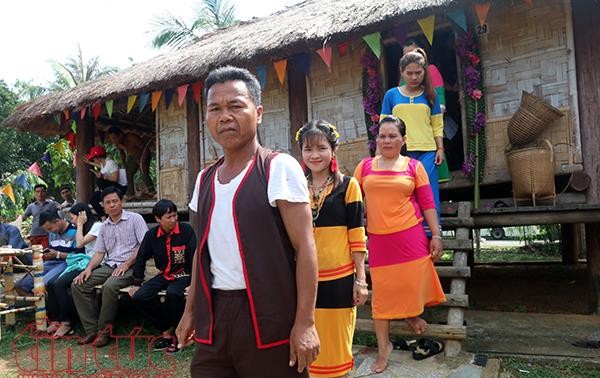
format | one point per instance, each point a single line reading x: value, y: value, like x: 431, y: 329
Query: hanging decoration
x: 74, y: 126
x: 427, y: 25
x: 59, y: 147
x: 96, y: 110
x: 46, y: 158
x: 197, y: 91
x: 326, y: 55
x: 280, y: 68
x: 109, y: 107
x: 130, y: 102
x: 7, y: 190
x: 66, y: 113
x: 261, y: 75
x: 459, y: 18
x: 155, y: 99
x: 21, y: 180
x: 373, y: 40
x: 143, y: 101
x: 168, y: 97
x: 342, y: 48
x: 82, y: 112
x: 181, y: 92
x: 303, y: 61
x: 35, y: 169
x: 372, y: 95
x: 474, y: 163
x: 482, y: 10
x: 74, y: 115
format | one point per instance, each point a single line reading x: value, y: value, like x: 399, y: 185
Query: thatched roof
x: 300, y: 28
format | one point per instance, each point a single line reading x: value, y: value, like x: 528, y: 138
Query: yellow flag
x: 130, y: 102
x: 280, y: 66
x: 7, y: 190
x: 60, y: 148
x: 427, y: 25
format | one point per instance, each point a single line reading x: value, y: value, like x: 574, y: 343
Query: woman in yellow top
x: 338, y: 221
x: 398, y: 196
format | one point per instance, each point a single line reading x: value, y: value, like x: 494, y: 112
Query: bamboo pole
x: 9, y: 285
x: 38, y: 288
x: 12, y: 311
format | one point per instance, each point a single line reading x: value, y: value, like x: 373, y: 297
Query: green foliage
x: 209, y: 15
x: 61, y: 169
x: 519, y: 367
x: 23, y: 196
x: 27, y: 91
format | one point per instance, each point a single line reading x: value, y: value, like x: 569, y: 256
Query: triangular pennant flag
x: 7, y: 190
x: 130, y: 102
x: 529, y: 3
x: 35, y: 169
x: 59, y: 147
x: 74, y: 126
x: 280, y: 67
x: 303, y: 61
x: 143, y: 101
x: 155, y: 99
x: 83, y: 111
x: 459, y: 18
x: 181, y: 91
x: 46, y: 157
x: 196, y: 91
x: 261, y: 74
x: 96, y: 110
x: 66, y: 113
x: 168, y: 96
x: 400, y: 33
x: 427, y: 25
x: 326, y: 54
x: 74, y: 115
x: 21, y: 180
x: 70, y: 137
x: 101, y: 135
x: 482, y: 10
x: 373, y: 40
x: 109, y: 107
x: 56, y: 118
x: 342, y: 48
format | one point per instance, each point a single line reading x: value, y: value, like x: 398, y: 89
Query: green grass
x: 505, y: 255
x: 519, y: 367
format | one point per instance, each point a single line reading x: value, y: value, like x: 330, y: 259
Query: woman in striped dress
x: 336, y: 203
x: 398, y: 196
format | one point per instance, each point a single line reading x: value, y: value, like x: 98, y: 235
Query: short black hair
x: 40, y: 186
x: 231, y: 73
x: 163, y: 207
x: 48, y: 216
x: 110, y: 190
x: 114, y: 130
x: 63, y: 187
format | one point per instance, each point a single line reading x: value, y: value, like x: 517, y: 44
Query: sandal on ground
x: 587, y: 344
x: 63, y: 330
x: 53, y: 327
x: 163, y: 343
x: 427, y: 348
x: 401, y: 344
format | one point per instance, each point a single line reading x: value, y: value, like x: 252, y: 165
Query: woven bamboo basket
x: 530, y: 119
x: 532, y: 171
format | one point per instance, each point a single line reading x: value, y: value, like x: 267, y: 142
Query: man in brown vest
x: 251, y: 303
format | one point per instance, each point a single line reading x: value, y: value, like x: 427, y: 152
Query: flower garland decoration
x: 372, y: 96
x: 474, y: 163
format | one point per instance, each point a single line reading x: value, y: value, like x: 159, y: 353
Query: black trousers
x: 96, y: 200
x: 162, y: 315
x: 60, y: 305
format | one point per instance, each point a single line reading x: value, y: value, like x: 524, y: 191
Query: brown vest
x: 268, y: 257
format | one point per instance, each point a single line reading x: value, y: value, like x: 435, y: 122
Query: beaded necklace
x: 318, y: 196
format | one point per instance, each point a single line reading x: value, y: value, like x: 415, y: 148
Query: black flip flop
x: 401, y: 344
x: 427, y: 348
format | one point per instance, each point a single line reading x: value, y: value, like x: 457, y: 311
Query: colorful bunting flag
x: 56, y: 118
x: 400, y: 33
x: 46, y: 157
x: 427, y: 25
x: 130, y: 102
x: 482, y: 10
x: 155, y: 99
x: 66, y: 113
x: 143, y: 101
x: 459, y: 18
x: 59, y: 147
x: 74, y: 115
x: 373, y: 40
x: 326, y: 55
x: 7, y: 190
x: 303, y: 61
x: 21, y: 180
x: 35, y: 169
x: 181, y: 92
x: 74, y: 126
x: 261, y: 74
x: 109, y: 107
x: 280, y: 67
x: 168, y: 97
x: 96, y: 110
x: 342, y: 48
x: 82, y: 112
x: 197, y: 91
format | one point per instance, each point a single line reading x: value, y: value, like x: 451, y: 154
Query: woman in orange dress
x: 397, y: 197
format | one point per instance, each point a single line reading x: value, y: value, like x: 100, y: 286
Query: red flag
x: 82, y: 113
x: 342, y: 48
x: 325, y: 54
x: 181, y: 91
x: 196, y: 89
x: 96, y: 110
x: 482, y: 10
x: 35, y: 169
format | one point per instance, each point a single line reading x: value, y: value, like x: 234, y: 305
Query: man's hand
x: 50, y: 255
x: 304, y: 346
x: 133, y: 290
x: 120, y: 270
x: 185, y: 330
x: 82, y: 277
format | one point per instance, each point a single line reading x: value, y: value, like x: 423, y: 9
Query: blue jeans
x: 52, y: 269
x: 427, y: 158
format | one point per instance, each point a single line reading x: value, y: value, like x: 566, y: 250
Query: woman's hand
x: 439, y: 156
x: 359, y: 294
x: 81, y: 218
x: 435, y: 248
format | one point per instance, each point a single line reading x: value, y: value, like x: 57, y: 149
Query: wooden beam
x: 452, y: 300
x: 457, y: 244
x: 439, y: 331
x: 193, y: 151
x: 525, y: 216
x: 571, y: 241
x: 298, y: 102
x: 444, y: 271
x: 84, y: 141
x: 592, y: 241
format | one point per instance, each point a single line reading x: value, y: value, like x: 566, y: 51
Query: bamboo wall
x: 274, y: 132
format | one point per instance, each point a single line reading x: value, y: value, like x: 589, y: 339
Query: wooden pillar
x: 193, y: 148
x: 586, y: 30
x: 84, y: 141
x: 571, y: 242
x: 298, y: 103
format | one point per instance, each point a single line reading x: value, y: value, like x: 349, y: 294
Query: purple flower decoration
x: 469, y: 165
x: 478, y: 123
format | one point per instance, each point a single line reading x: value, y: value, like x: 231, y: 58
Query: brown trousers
x: 233, y: 353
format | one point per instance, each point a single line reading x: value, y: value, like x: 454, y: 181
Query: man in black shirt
x: 172, y: 244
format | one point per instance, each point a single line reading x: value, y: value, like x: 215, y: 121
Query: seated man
x: 63, y: 208
x: 116, y: 249
x: 61, y: 235
x: 10, y: 235
x: 172, y: 245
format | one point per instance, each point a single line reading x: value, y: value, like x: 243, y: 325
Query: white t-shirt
x: 286, y: 182
x: 95, y: 230
x: 110, y: 166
